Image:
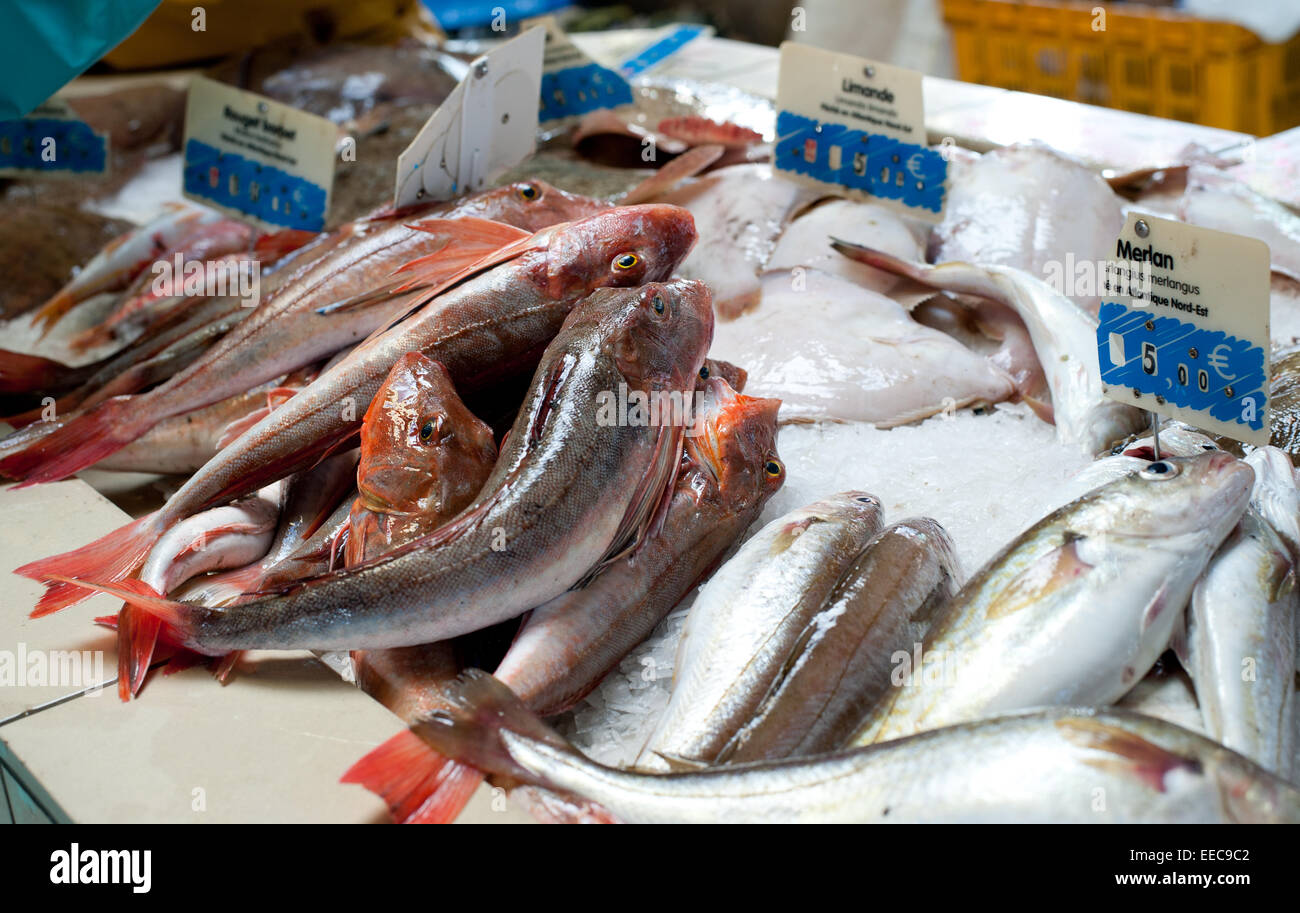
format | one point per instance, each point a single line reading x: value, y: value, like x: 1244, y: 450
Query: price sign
x: 257, y: 158
x: 1184, y: 326
x: 51, y: 142
x: 487, y: 124
x: 857, y: 128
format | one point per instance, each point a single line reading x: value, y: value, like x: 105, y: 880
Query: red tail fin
x: 137, y: 635
x: 112, y: 557
x: 138, y: 593
x: 419, y: 785
x: 22, y: 373
x: 81, y: 443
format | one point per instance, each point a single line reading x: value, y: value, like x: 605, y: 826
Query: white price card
x: 52, y: 142
x: 857, y: 128
x: 486, y: 125
x: 1184, y: 326
x: 257, y: 158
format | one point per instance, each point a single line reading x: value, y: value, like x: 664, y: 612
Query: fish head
x: 734, y: 375
x: 534, y: 205
x: 421, y: 448
x: 1195, y: 496
x: 619, y: 248
x: 732, y: 444
x: 660, y: 333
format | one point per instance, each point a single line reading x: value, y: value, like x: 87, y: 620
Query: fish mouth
x: 733, y: 415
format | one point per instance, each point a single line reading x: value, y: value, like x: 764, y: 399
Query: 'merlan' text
x: 1149, y: 254
x: 78, y: 866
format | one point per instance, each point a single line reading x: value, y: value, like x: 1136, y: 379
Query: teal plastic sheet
x: 44, y: 44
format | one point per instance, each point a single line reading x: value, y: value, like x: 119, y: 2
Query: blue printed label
x: 51, y: 145
x: 577, y: 90
x: 1184, y: 365
x: 265, y: 192
x: 256, y: 158
x: 871, y: 163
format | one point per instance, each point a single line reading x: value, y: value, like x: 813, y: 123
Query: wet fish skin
x: 1064, y: 336
x: 1078, y: 607
x: 882, y: 605
x: 1241, y: 635
x: 747, y: 620
x: 1026, y: 206
x: 490, y: 325
x: 424, y: 458
x: 567, y: 645
x: 565, y: 491
x: 1038, y: 766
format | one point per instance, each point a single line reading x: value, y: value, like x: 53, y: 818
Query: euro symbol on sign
x: 1218, y: 360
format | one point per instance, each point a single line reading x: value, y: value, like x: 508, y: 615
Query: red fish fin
x: 137, y: 636
x: 688, y: 164
x: 273, y: 246
x: 490, y: 243
x: 226, y: 665
x: 52, y: 311
x: 23, y: 373
x: 178, y: 618
x: 111, y: 557
x: 420, y: 785
x: 649, y: 505
x: 80, y: 444
x: 696, y: 129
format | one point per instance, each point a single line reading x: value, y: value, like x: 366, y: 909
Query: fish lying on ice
x: 1078, y: 607
x: 829, y: 348
x: 1043, y: 765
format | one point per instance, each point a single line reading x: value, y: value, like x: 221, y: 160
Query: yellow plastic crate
x: 1148, y: 60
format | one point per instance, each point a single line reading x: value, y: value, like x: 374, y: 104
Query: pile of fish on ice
x: 444, y: 442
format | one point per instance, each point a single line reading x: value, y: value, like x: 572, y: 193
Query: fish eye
x: 865, y: 500
x: 657, y: 302
x: 1208, y: 446
x: 773, y: 468
x: 1159, y: 471
x: 704, y: 372
x: 626, y: 261
x: 426, y: 431
x: 528, y: 191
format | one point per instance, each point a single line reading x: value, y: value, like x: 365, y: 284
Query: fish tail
x: 179, y: 620
x: 52, y: 311
x: 420, y: 785
x: 137, y: 636
x: 470, y: 726
x: 112, y: 557
x: 79, y: 444
x: 23, y: 373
